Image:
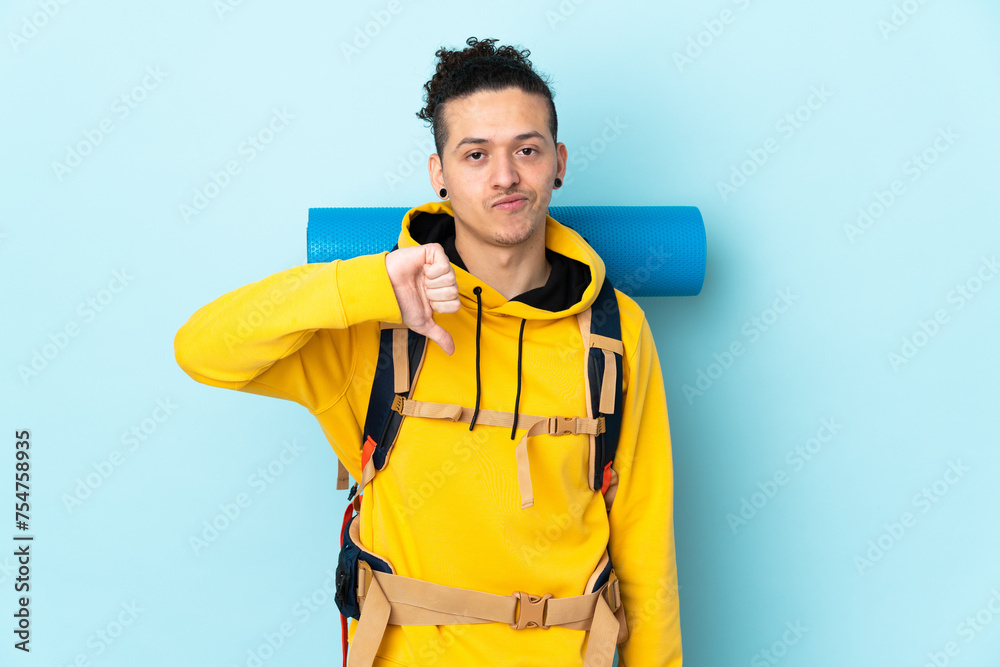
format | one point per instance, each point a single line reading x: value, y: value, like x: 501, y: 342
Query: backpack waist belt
x: 398, y: 600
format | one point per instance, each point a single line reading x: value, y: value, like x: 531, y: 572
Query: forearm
x: 243, y: 334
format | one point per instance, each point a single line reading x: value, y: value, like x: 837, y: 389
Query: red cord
x: 347, y: 517
x: 343, y: 630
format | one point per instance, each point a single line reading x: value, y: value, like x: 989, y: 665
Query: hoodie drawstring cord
x: 520, y: 343
x: 517, y: 399
x: 479, y: 317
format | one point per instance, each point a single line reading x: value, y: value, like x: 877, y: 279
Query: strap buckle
x: 561, y: 425
x: 530, y: 611
x: 397, y: 403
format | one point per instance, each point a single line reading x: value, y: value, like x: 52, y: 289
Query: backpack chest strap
x: 534, y: 425
x: 401, y: 356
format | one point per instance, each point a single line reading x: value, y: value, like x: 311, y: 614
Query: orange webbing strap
x: 610, y: 487
x: 367, y: 465
x: 534, y: 424
x: 389, y: 598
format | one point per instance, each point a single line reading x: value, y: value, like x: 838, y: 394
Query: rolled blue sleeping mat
x: 647, y: 250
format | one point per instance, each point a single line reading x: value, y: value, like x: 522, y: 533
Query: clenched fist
x: 424, y: 282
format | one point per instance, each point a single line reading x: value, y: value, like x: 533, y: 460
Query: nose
x: 504, y: 175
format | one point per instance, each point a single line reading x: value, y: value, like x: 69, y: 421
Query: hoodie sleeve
x: 290, y: 335
x: 641, y: 517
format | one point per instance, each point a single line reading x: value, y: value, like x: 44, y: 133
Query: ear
x: 561, y: 160
x: 436, y: 171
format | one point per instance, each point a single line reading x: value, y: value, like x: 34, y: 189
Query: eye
x: 475, y: 153
x: 528, y: 148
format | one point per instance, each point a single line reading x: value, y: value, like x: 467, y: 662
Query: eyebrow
x: 521, y: 137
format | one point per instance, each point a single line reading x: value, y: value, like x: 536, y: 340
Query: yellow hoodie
x: 446, y: 508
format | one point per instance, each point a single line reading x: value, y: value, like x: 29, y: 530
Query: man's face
x: 499, y: 145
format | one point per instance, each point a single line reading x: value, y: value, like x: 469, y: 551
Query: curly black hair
x: 479, y: 67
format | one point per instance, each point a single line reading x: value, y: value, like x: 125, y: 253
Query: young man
x: 466, y: 508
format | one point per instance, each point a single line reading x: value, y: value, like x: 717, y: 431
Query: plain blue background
x: 888, y: 90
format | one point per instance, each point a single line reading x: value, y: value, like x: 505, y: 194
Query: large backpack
x: 401, y: 356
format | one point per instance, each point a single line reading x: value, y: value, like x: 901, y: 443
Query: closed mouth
x: 507, y: 200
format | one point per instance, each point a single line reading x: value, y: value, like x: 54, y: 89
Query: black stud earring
x: 443, y: 193
x: 558, y: 182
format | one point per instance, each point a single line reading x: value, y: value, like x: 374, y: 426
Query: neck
x: 510, y: 270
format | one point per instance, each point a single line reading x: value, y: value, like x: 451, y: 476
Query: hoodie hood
x: 573, y: 284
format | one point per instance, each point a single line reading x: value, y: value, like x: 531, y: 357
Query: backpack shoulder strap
x: 604, y: 354
x: 400, y: 358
